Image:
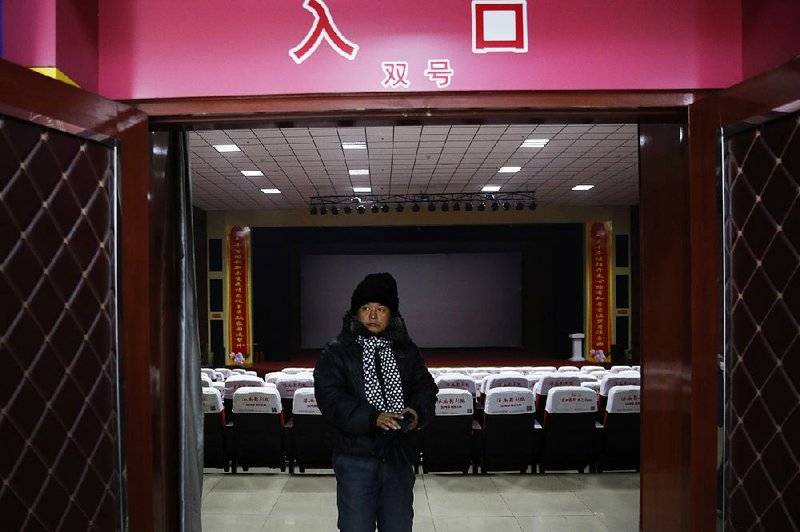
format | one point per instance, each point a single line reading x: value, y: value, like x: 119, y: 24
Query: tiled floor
x: 266, y: 500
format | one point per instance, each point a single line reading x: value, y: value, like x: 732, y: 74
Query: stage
x: 435, y: 358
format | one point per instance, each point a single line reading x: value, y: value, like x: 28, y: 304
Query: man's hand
x: 415, y: 421
x: 388, y: 421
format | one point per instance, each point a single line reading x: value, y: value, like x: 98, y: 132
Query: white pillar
x: 577, y: 347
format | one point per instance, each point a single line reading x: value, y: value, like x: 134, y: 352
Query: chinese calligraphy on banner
x: 598, y: 292
x: 239, y: 322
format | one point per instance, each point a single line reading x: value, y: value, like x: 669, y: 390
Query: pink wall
x: 53, y: 33
x: 76, y: 41
x: 29, y: 32
x: 769, y: 34
x: 152, y: 48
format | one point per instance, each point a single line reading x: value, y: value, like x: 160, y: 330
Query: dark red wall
x: 769, y: 34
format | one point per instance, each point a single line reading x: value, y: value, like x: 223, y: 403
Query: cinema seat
x: 592, y: 385
x: 533, y: 379
x: 447, y: 441
x: 508, y: 422
x: 226, y: 372
x: 208, y: 372
x: 505, y: 379
x: 305, y: 431
x: 458, y: 381
x: 569, y: 369
x: 591, y: 369
x: 479, y: 377
x: 273, y: 376
x: 545, y: 384
x: 287, y: 385
x: 258, y: 428
x: 214, y: 449
x: 543, y: 369
x: 234, y: 382
x: 621, y: 420
x: 205, y: 382
x: 295, y: 371
x: 569, y: 429
x: 627, y: 378
x: 619, y: 368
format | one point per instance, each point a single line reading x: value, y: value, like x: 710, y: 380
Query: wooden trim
x: 665, y: 328
x: 35, y: 94
x: 756, y: 98
x: 610, y: 105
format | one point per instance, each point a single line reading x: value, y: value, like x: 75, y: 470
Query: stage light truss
x: 360, y: 203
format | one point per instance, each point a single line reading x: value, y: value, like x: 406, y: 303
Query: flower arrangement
x: 597, y: 355
x: 238, y: 358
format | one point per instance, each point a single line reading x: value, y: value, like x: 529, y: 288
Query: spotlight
x: 445, y: 207
x: 399, y: 207
x: 532, y: 205
x: 431, y: 207
x: 506, y: 205
x: 385, y: 208
x: 361, y: 209
x: 481, y: 206
x: 334, y: 210
x: 313, y: 211
x: 348, y: 209
x: 495, y: 206
x: 520, y: 206
x: 323, y: 210
x: 415, y: 207
x: 375, y: 209
x: 456, y: 207
x: 468, y: 206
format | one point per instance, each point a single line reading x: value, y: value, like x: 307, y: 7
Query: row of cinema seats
x: 259, y: 436
x: 286, y: 382
x: 540, y: 382
x: 507, y: 435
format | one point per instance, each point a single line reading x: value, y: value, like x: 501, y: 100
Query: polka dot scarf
x: 381, y: 376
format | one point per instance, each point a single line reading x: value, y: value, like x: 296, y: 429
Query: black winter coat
x: 340, y: 394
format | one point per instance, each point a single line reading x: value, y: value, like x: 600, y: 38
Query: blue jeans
x: 370, y: 491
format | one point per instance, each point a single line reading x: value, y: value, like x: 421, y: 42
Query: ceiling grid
x: 306, y: 162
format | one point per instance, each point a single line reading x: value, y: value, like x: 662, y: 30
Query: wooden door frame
x: 669, y: 494
x: 33, y: 94
x: 757, y: 98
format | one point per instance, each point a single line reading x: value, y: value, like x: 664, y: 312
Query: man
x: 373, y: 388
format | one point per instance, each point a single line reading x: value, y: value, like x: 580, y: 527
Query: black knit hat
x: 376, y: 288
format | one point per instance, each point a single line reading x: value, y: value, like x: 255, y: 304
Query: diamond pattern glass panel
x: 762, y: 286
x: 59, y: 421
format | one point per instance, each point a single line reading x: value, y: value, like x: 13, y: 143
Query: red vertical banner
x: 239, y: 297
x: 598, y: 292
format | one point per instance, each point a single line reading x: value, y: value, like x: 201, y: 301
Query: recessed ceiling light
x: 509, y: 169
x: 359, y: 172
x: 490, y: 188
x: 270, y: 191
x: 252, y: 173
x: 534, y: 143
x: 224, y: 148
x: 354, y: 145
x: 583, y: 187
x: 362, y: 189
